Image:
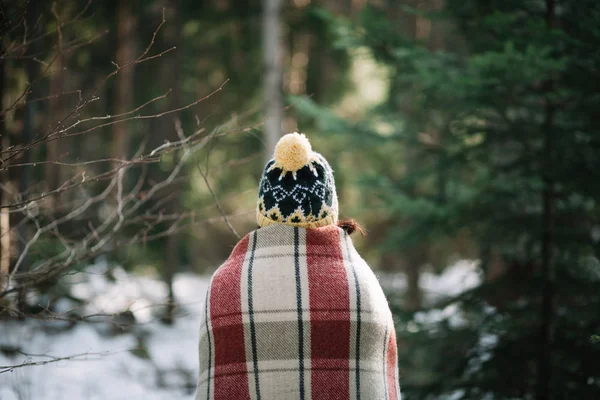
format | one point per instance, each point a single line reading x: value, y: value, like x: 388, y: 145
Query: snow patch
x: 105, y: 367
x: 454, y: 280
x: 451, y: 313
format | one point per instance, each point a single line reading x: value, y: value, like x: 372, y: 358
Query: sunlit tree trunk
x: 4, y: 199
x: 273, y: 73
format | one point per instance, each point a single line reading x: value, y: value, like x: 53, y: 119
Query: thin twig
x: 212, y: 192
x: 53, y: 359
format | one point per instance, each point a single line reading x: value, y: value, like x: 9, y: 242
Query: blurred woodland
x: 457, y: 129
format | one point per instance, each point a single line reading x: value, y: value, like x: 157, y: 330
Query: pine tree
x: 495, y: 136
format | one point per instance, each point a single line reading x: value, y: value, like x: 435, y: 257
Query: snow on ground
x: 164, y: 366
x: 110, y: 371
x: 455, y: 279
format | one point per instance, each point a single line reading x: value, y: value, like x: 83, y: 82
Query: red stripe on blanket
x: 228, y: 332
x: 329, y: 333
x: 391, y: 366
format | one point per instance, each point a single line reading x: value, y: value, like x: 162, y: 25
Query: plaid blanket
x: 296, y: 313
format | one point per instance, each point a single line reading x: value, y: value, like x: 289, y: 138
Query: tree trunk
x: 25, y: 170
x: 439, y: 30
x: 5, y: 179
x: 55, y: 114
x: 125, y: 78
x: 273, y: 74
x: 171, y: 262
x: 171, y: 66
x: 415, y: 259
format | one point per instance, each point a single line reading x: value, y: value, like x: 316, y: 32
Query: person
x: 295, y: 312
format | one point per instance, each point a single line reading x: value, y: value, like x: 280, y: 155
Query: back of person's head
x: 297, y: 187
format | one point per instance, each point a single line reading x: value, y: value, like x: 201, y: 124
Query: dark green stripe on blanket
x: 251, y: 314
x: 299, y: 311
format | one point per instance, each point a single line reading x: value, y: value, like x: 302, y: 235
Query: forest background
x: 135, y: 132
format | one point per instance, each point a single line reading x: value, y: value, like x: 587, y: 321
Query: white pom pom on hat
x: 293, y: 151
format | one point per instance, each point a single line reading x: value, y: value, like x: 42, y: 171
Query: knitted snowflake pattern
x: 305, y: 198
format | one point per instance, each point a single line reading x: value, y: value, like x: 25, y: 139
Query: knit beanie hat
x: 297, y: 187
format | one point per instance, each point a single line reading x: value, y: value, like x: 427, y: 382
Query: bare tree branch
x: 50, y: 360
x: 214, y: 196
